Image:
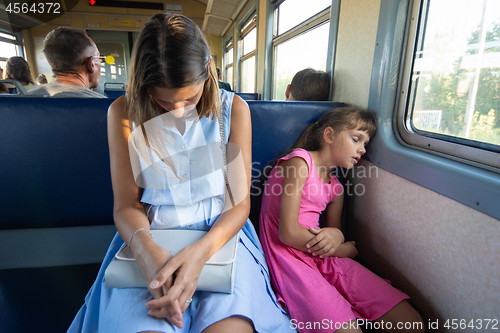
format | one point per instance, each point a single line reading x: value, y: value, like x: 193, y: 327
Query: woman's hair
x: 170, y: 52
x: 18, y: 69
x: 41, y: 79
x: 339, y: 119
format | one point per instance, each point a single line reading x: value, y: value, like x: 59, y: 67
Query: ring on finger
x: 188, y: 302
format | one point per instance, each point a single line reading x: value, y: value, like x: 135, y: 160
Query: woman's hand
x: 326, y: 241
x: 151, y: 261
x: 175, y: 298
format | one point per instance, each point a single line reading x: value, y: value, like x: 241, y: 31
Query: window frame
x: 244, y: 28
x: 467, y: 183
x: 304, y: 27
x: 17, y: 40
x: 228, y: 46
x: 455, y: 148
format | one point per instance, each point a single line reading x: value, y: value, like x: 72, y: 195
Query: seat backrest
x: 114, y: 90
x: 55, y: 162
x: 18, y: 88
x: 249, y: 96
x: 275, y: 127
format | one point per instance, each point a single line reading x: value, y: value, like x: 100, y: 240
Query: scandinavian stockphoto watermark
x: 327, y: 324
x: 178, y: 152
x: 349, y: 177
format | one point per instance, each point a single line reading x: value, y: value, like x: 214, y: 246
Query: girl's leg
x: 231, y: 325
x: 351, y: 327
x: 372, y: 297
x: 402, y: 318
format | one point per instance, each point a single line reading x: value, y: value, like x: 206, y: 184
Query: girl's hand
x: 348, y: 250
x: 326, y: 241
x: 187, y: 265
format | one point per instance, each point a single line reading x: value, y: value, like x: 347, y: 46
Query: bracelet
x: 133, y: 234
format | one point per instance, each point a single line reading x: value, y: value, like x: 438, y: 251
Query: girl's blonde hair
x: 170, y: 52
x: 339, y: 119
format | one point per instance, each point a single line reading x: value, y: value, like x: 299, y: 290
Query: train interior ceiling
x: 423, y: 215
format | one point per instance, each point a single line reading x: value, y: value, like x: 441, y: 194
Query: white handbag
x: 216, y: 276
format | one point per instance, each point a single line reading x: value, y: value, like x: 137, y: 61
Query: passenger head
x: 339, y: 120
x: 171, y: 55
x: 18, y: 69
x: 41, y: 80
x: 71, y: 51
x: 309, y: 85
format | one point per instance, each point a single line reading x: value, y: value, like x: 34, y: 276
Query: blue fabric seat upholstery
x: 56, y: 175
x: 249, y: 96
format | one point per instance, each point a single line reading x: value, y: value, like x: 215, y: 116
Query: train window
x: 452, y: 76
x: 247, y: 61
x: 301, y: 46
x: 228, y: 56
x: 9, y: 47
x: 292, y: 12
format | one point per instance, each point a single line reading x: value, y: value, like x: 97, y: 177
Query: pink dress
x: 319, y: 293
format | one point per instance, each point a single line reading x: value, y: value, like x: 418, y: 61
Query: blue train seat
x: 56, y: 184
x: 249, y: 96
x: 57, y: 201
x: 15, y: 87
x: 114, y: 90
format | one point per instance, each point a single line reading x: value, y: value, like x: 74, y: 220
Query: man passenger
x: 75, y: 61
x: 222, y: 85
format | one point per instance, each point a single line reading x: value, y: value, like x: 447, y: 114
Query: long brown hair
x: 170, y: 52
x: 18, y: 69
x: 339, y: 119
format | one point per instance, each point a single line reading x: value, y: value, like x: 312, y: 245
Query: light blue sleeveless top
x: 193, y: 194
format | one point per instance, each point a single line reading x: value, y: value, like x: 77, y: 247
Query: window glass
x: 4, y: 35
x: 115, y: 72
x: 455, y: 82
x: 293, y: 12
x: 249, y: 42
x: 248, y: 23
x: 307, y: 50
x: 248, y: 75
x: 8, y: 50
x: 229, y: 56
x: 229, y: 75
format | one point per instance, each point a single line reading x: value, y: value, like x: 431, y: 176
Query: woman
x: 173, y: 102
x: 18, y: 69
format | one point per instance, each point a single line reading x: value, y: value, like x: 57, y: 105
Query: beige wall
x: 355, y: 48
x: 442, y: 253
x: 83, y: 16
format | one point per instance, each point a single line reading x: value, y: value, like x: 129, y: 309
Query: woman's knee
x: 231, y: 324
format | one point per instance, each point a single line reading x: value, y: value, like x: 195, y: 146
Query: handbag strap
x: 224, y: 156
